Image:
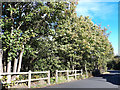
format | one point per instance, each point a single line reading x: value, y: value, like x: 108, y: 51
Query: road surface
x: 111, y: 80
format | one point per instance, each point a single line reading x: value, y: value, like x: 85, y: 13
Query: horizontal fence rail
x: 29, y: 74
x: 68, y: 75
x: 29, y: 77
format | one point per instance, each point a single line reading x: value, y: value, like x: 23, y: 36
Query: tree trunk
x: 1, y: 66
x: 1, y: 52
x: 9, y: 67
x: 20, y: 60
x: 15, y: 64
x: 15, y: 67
x: 8, y: 71
x: 73, y: 66
x: 4, y: 66
x: 86, y: 70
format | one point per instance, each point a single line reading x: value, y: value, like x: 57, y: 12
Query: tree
x: 23, y: 22
x: 84, y: 42
x: 1, y: 52
x: 49, y: 35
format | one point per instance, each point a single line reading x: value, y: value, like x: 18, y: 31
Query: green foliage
x: 114, y: 64
x: 4, y: 79
x: 54, y: 38
x: 82, y: 42
x: 62, y: 79
x: 52, y: 80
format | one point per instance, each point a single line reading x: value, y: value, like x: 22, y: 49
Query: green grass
x: 39, y: 86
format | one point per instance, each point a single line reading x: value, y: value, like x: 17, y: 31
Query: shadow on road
x: 113, y: 77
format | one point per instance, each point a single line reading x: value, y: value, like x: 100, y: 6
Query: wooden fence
x: 68, y: 75
x: 29, y: 77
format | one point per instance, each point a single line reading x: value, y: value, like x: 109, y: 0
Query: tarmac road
x: 111, y: 80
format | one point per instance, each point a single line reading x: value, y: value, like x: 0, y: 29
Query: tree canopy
x: 50, y: 36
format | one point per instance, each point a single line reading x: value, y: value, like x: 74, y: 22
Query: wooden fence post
x: 56, y: 76
x: 67, y: 75
x: 49, y: 77
x: 87, y: 73
x: 75, y: 74
x: 86, y: 70
x: 29, y: 79
x: 81, y: 72
x: 91, y: 73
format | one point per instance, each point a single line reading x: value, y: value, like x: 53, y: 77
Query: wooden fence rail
x: 68, y: 75
x: 29, y: 77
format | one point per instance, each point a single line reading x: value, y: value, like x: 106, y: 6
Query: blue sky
x: 104, y: 13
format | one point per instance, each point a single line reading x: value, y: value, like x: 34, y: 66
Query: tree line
x: 41, y: 36
x: 114, y: 64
